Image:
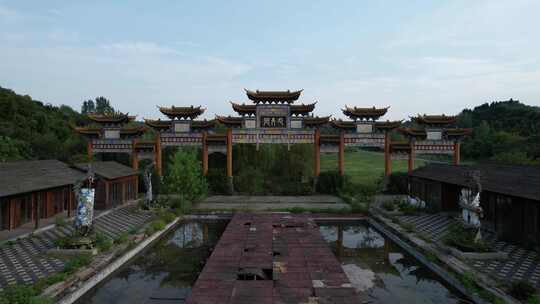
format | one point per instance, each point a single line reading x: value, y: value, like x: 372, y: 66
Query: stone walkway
x: 25, y: 261
x: 522, y: 264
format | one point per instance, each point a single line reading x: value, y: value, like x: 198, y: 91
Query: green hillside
x: 30, y: 129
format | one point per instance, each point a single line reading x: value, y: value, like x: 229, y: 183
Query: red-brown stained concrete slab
x: 272, y: 258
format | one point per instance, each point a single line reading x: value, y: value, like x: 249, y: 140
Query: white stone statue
x: 85, y: 204
x: 469, y: 201
x: 147, y: 175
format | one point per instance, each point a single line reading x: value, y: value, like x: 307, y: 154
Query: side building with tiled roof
x: 31, y: 191
x: 115, y: 183
x: 510, y: 196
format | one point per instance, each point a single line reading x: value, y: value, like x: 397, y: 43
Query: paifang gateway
x: 274, y: 117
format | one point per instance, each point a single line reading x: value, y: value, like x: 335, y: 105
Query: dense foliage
x: 184, y: 176
x: 30, y: 129
x: 505, y: 131
x: 273, y: 169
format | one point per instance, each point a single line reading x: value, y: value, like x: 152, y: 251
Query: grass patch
x: 103, y: 243
x: 122, y: 238
x: 29, y: 294
x: 463, y: 239
x: 364, y: 168
x: 60, y: 221
x: 469, y: 280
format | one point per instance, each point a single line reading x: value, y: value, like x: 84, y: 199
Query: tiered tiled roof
x: 315, y: 121
x: 344, y: 125
x: 413, y: 132
x: 203, y: 124
x: 302, y: 109
x: 125, y: 131
x: 182, y: 112
x: 388, y: 125
x: 351, y: 125
x: 434, y: 119
x: 273, y: 96
x: 88, y: 131
x: 133, y: 130
x: 244, y: 109
x: 365, y: 113
x: 457, y: 132
x: 112, y: 118
x: 230, y: 121
x: 158, y: 124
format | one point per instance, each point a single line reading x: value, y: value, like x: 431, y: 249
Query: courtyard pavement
x: 522, y: 264
x: 270, y: 202
x: 25, y: 261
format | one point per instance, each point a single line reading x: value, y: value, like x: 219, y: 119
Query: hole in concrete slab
x: 276, y: 253
x: 247, y: 224
x: 254, y: 274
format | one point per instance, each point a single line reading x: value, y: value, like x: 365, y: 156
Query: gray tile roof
x: 28, y: 176
x: 108, y: 169
x: 518, y: 181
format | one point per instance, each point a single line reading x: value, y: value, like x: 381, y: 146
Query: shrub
x: 76, y: 263
x: 167, y: 216
x: 463, y: 239
x: 60, y: 221
x: 522, y: 290
x: 158, y: 225
x: 217, y: 181
x: 102, y: 242
x: 330, y: 182
x: 408, y: 208
x: 122, y: 238
x: 184, y: 176
x: 397, y: 183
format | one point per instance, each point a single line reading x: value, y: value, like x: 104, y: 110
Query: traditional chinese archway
x: 272, y: 117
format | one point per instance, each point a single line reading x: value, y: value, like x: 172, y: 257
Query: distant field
x: 363, y: 167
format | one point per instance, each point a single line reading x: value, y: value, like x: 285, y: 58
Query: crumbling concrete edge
x: 115, y: 265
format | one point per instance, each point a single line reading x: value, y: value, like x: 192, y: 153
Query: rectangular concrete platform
x: 272, y: 258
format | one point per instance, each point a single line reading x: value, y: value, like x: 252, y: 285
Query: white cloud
x: 140, y: 48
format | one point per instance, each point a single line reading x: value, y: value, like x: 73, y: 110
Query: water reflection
x: 165, y: 272
x: 382, y: 270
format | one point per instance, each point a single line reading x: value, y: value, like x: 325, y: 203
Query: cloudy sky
x: 417, y: 57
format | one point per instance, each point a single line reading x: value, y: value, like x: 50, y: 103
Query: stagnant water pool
x: 165, y: 272
x: 383, y: 271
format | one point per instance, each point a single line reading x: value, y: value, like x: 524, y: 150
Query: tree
x: 103, y: 106
x: 184, y: 177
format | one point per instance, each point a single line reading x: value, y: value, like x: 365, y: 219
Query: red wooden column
x: 229, y: 153
x: 134, y: 156
x: 11, y: 214
x: 205, y: 153
x: 89, y: 150
x: 411, y: 157
x: 229, y: 161
x: 158, y: 155
x: 317, y: 157
x: 457, y: 153
x: 387, y: 155
x: 341, y: 154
